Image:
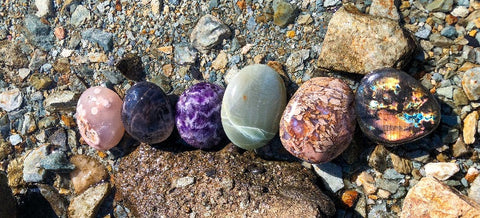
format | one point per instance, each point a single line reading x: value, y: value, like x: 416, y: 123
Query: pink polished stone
x: 99, y: 117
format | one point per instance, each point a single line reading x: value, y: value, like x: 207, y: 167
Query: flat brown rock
x: 360, y: 43
x: 431, y: 198
x: 226, y: 183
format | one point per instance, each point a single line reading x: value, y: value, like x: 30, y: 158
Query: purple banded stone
x: 147, y: 114
x: 198, y: 115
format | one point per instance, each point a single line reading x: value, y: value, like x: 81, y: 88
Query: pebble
x: 39, y: 33
x: 441, y: 171
x: 472, y: 174
x: 331, y: 176
x: 387, y: 184
x: 80, y: 15
x: 40, y: 81
x: 7, y: 207
x: 400, y: 164
x: 330, y: 3
x: 57, y: 161
x: 15, y: 174
x: 103, y: 39
x: 459, y: 148
x: 283, y: 13
x: 470, y: 127
x: 221, y: 61
x: 460, y: 11
x: 58, y: 202
x: 295, y: 60
x: 449, y: 31
x: 384, y: 8
x: 474, y: 191
x: 378, y: 158
x: 156, y: 5
x: 88, y: 203
x: 184, y: 182
x: 198, y: 117
x: 28, y: 125
x: 252, y: 106
x: 11, y: 99
x: 304, y: 19
x: 350, y: 197
x: 446, y: 92
x: 384, y: 43
x: 44, y: 7
x: 471, y: 83
x: 394, y: 108
x: 432, y: 198
x: 392, y: 174
x: 424, y: 31
x: 23, y: 73
x: 15, y: 139
x: 440, y: 6
x: 32, y: 172
x: 209, y: 32
x: 319, y: 120
x: 88, y: 171
x: 61, y: 100
x: 184, y: 54
x: 367, y: 182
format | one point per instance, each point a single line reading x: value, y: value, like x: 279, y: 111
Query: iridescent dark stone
x: 198, y: 115
x: 147, y: 114
x: 394, y: 108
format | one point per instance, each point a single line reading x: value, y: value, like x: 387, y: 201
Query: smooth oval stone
x: 319, y: 121
x: 394, y: 108
x: 98, y: 117
x: 147, y: 114
x: 198, y: 115
x: 252, y: 106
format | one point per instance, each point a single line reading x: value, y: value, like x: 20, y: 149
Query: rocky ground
x: 51, y: 51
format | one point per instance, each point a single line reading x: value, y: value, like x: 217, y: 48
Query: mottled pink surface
x: 98, y: 117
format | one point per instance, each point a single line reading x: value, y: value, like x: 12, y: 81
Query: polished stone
x: 198, y: 115
x: 147, y: 114
x: 394, y: 108
x: 319, y: 121
x: 252, y: 106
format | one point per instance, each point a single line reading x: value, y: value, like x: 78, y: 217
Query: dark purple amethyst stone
x: 147, y: 114
x: 198, y: 115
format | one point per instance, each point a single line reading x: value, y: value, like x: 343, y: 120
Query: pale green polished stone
x: 252, y: 106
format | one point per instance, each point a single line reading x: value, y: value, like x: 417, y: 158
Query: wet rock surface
x: 223, y: 183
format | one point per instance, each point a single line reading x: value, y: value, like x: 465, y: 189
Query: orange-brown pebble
x: 291, y: 33
x: 68, y: 121
x: 450, y: 19
x: 59, y: 32
x: 349, y: 197
x: 472, y: 174
x: 242, y: 4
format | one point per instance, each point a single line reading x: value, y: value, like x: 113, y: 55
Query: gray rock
x: 79, y: 16
x: 384, y: 8
x: 296, y: 59
x: 392, y: 174
x: 11, y: 99
x: 440, y: 41
x: 58, y: 203
x: 15, y: 139
x: 88, y: 203
x: 57, y: 161
x: 283, y: 12
x: 359, y: 43
x: 113, y: 77
x: 32, y: 172
x: 440, y: 5
x: 330, y: 3
x: 459, y: 97
x: 7, y: 207
x: 174, y: 2
x: 209, y: 32
x: 387, y: 184
x: 424, y: 31
x: 28, y: 125
x: 39, y: 58
x: 446, y: 92
x: 59, y: 139
x: 103, y: 39
x: 184, y: 54
x: 39, y: 33
x: 471, y: 83
x: 331, y: 175
x: 449, y: 32
x: 61, y: 100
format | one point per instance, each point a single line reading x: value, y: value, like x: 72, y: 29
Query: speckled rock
x: 360, y: 43
x: 470, y: 127
x: 58, y: 202
x: 441, y: 171
x: 227, y: 183
x: 384, y: 8
x: 198, y: 115
x: 431, y: 198
x: 88, y: 172
x: 393, y: 108
x: 87, y: 203
x: 209, y: 32
x: 319, y: 121
x: 147, y: 113
x: 283, y: 12
x: 99, y: 117
x: 252, y: 106
x: 32, y: 172
x: 471, y: 83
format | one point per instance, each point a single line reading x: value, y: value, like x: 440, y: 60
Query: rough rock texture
x: 385, y: 8
x: 88, y: 171
x: 441, y: 171
x: 209, y: 32
x: 431, y: 198
x: 319, y: 121
x: 87, y: 203
x: 471, y: 83
x: 470, y: 127
x: 227, y: 183
x: 360, y: 43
